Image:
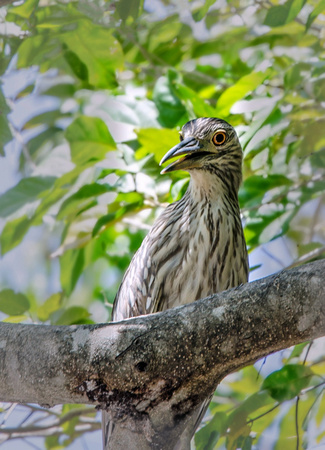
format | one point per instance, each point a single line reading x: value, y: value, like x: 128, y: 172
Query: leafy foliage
x: 93, y: 95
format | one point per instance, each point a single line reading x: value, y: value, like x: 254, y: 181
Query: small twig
x: 264, y: 250
x: 305, y: 391
x: 264, y: 414
x: 316, y: 217
x: 306, y: 258
x: 31, y: 444
x: 32, y: 429
x: 307, y: 352
x: 259, y: 370
x: 9, y: 411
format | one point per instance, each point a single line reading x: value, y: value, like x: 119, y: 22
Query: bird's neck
x: 205, y: 185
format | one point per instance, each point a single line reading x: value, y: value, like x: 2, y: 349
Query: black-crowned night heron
x: 196, y: 247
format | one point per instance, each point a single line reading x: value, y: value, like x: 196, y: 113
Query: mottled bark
x: 152, y: 371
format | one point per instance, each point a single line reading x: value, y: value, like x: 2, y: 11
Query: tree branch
x: 152, y: 371
x: 51, y: 428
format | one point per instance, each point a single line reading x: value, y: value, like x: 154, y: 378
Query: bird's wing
x: 137, y: 294
x: 142, y: 291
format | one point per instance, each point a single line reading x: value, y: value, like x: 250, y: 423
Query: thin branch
x: 305, y: 391
x: 31, y: 444
x: 307, y: 257
x: 34, y: 429
x: 307, y: 352
x: 316, y: 217
x: 272, y: 256
x: 264, y: 414
x: 52, y: 431
x: 8, y: 412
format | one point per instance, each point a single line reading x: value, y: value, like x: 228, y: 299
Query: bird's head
x: 207, y: 144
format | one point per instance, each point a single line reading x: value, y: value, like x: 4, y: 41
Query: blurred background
x: 93, y: 94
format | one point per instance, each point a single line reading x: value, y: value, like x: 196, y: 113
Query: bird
x: 196, y: 247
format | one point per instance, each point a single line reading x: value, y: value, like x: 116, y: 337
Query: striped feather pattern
x: 196, y: 247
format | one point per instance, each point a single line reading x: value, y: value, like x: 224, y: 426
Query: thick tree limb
x: 151, y: 371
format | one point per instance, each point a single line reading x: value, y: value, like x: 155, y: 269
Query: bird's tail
x: 107, y: 429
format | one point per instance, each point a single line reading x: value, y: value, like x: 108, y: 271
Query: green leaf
x: 163, y: 40
x: 292, y: 423
x: 14, y: 232
x: 238, y: 430
x: 34, y: 49
x: 5, y: 132
x: 178, y: 189
x: 71, y: 266
x: 194, y: 103
x: 62, y: 29
x: 15, y: 319
x: 312, y: 190
x: 75, y: 203
x: 318, y: 9
x: 201, y: 13
x: 12, y: 303
x: 73, y: 315
x: 98, y: 50
x: 286, y: 383
x: 156, y: 141
x: 52, y: 443
x: 314, y: 139
x: 124, y: 204
x: 171, y: 110
x: 251, y: 404
x: 294, y: 75
x: 282, y: 14
x: 303, y: 249
x: 260, y: 228
x: 207, y: 437
x: 254, y: 188
x: 26, y: 191
x: 244, y: 86
x: 319, y: 89
x: 89, y: 139
x: 297, y: 350
x: 265, y: 416
x: 78, y: 67
x: 129, y: 8
x: 24, y: 11
x: 52, y: 304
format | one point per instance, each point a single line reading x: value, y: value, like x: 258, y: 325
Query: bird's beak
x: 187, y: 147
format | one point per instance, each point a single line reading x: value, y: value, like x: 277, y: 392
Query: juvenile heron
x: 196, y: 247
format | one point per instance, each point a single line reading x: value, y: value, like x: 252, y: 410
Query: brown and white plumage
x: 196, y: 247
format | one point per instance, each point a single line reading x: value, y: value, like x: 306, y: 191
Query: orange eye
x: 219, y: 138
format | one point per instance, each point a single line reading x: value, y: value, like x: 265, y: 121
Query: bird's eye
x: 219, y: 137
x: 181, y: 137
